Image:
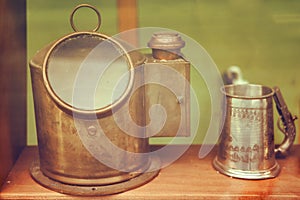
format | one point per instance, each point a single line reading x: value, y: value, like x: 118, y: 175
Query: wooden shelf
x: 188, y: 178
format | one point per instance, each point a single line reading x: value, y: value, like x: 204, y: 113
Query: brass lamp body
x: 65, y: 164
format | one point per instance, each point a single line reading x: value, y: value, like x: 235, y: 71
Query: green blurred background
x: 261, y: 37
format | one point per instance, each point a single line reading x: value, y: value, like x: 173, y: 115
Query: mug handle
x: 287, y: 119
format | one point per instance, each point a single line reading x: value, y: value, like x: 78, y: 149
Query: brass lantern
x: 78, y: 93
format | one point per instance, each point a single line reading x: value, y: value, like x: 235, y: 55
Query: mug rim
x: 225, y: 90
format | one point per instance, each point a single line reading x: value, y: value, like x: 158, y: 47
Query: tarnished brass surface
x: 65, y: 122
x: 62, y: 154
x: 87, y: 6
x: 166, y: 45
x: 94, y: 190
x: 166, y: 52
x: 158, y: 94
x: 246, y: 147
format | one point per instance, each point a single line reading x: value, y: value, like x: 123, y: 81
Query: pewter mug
x: 246, y: 146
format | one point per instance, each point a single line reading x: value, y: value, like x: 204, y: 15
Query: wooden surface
x: 12, y: 83
x: 187, y: 178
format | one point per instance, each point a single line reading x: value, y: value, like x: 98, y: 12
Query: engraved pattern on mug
x: 247, y: 139
x: 246, y: 146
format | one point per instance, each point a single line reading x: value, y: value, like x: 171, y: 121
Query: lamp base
x: 80, y: 190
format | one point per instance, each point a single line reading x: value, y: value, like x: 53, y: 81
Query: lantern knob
x: 166, y: 45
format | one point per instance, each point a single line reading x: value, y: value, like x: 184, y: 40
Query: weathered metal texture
x: 166, y: 57
x: 166, y: 45
x: 63, y: 156
x: 94, y: 190
x: 177, y: 107
x: 69, y: 135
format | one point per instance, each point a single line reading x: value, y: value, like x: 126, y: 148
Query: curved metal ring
x: 71, y: 108
x: 87, y: 6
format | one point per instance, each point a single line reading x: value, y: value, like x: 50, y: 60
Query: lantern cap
x: 166, y: 41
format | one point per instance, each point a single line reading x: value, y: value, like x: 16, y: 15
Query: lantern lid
x: 166, y: 41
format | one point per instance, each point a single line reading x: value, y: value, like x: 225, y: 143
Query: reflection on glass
x: 87, y: 72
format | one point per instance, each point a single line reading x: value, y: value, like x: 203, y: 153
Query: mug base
x: 244, y: 174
